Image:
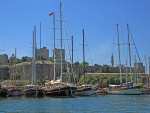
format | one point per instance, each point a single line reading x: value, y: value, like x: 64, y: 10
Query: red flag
x: 51, y: 13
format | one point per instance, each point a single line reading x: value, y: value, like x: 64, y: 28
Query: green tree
x: 75, y: 76
x: 84, y: 63
x: 24, y: 58
x: 96, y: 65
x: 117, y: 80
x: 18, y: 61
x: 41, y: 80
x: 76, y: 63
x: 20, y: 83
x: 89, y: 79
x: 11, y: 59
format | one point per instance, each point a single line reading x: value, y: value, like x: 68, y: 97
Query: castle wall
x: 46, y: 70
x: 4, y: 73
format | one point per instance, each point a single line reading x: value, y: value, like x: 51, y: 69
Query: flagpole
x: 53, y: 13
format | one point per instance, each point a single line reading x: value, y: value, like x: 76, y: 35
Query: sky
x: 98, y: 18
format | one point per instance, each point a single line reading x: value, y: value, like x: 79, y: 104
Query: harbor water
x: 93, y: 104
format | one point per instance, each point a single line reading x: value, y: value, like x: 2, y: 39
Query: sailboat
x: 13, y: 90
x: 146, y: 89
x: 34, y: 89
x: 127, y: 88
x: 58, y: 88
x: 84, y: 90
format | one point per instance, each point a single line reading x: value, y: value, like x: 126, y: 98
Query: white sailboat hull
x: 131, y: 91
x: 85, y: 93
x: 15, y: 93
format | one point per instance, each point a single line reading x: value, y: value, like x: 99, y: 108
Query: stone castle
x: 45, y: 69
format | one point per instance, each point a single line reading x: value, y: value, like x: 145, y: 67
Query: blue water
x: 95, y: 104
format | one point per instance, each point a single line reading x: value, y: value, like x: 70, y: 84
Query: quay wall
x: 45, y: 70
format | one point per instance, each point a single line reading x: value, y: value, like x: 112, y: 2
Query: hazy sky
x: 97, y: 17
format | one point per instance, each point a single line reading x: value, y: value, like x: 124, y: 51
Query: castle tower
x: 43, y: 53
x: 112, y: 60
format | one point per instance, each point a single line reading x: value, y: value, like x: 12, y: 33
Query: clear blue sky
x: 97, y: 17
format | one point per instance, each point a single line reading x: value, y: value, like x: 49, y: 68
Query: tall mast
x: 146, y: 70
x: 72, y: 58
x: 129, y: 52
x: 126, y: 71
x: 136, y: 71
x: 119, y: 55
x: 54, y: 44
x: 35, y: 55
x: 72, y: 49
x: 61, y: 41
x: 149, y: 69
x: 83, y: 56
x: 40, y: 40
x: 32, y: 57
x: 15, y: 69
x: 1, y: 68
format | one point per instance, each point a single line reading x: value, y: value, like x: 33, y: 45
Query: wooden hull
x: 84, y: 92
x: 100, y: 92
x: 66, y: 91
x: 34, y: 92
x: 15, y: 92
